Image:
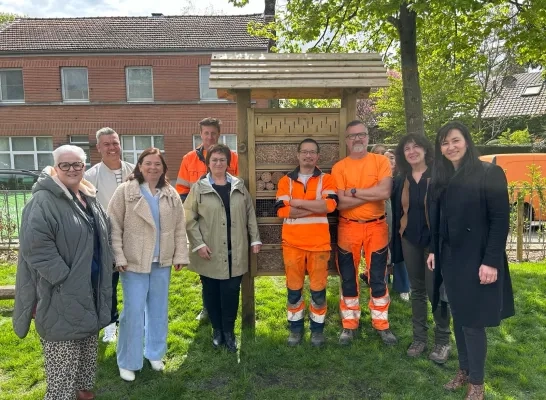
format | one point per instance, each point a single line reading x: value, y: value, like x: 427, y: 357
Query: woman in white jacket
x: 148, y: 237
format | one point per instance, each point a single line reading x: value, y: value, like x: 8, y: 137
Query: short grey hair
x: 106, y: 131
x: 68, y: 149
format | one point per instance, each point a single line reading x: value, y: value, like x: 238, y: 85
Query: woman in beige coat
x: 148, y: 237
x: 220, y: 218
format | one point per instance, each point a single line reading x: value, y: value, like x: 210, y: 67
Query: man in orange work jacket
x: 363, y: 183
x: 193, y: 167
x: 193, y: 164
x: 304, y: 197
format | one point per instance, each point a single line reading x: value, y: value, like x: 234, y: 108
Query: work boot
x: 231, y: 342
x: 317, y: 339
x: 440, y: 353
x: 475, y: 392
x: 294, y: 338
x: 459, y: 381
x: 347, y: 336
x: 416, y: 348
x: 387, y: 337
x: 217, y: 338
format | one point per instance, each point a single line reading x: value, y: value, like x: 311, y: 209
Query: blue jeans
x: 400, y: 279
x: 144, y: 317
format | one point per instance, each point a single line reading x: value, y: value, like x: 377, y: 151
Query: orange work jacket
x: 309, y: 233
x: 193, y: 167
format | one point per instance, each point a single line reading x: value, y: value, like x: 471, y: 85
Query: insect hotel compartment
x: 285, y: 153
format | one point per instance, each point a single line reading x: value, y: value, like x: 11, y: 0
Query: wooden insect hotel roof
x: 296, y: 76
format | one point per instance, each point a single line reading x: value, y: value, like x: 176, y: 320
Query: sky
x: 105, y: 8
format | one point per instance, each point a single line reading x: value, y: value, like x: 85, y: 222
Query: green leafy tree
x: 455, y: 29
x: 7, y: 17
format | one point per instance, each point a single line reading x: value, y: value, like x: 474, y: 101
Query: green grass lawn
x: 265, y: 368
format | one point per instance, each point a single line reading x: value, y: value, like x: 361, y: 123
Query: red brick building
x: 146, y: 77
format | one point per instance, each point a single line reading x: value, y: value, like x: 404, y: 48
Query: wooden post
x: 348, y: 101
x: 520, y: 224
x: 7, y: 292
x: 247, y: 285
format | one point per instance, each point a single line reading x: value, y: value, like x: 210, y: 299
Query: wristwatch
x: 353, y: 192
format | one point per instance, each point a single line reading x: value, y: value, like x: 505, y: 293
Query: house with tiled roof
x: 61, y: 79
x: 521, y: 95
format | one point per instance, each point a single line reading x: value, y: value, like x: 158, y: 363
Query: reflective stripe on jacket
x: 312, y: 232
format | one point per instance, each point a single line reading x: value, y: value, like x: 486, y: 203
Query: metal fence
x: 527, y: 234
x: 11, y: 209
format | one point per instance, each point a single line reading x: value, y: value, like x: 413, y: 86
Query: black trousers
x: 221, y: 298
x: 114, y: 313
x: 471, y: 341
x: 472, y: 349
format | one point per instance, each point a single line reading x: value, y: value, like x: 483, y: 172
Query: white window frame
x: 22, y: 78
x: 532, y: 90
x: 201, y: 83
x: 63, y: 86
x: 222, y: 140
x: 143, y: 100
x: 136, y: 152
x: 34, y: 152
x: 84, y: 145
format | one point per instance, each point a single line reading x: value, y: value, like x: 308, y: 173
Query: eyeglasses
x: 359, y: 135
x: 308, y: 152
x: 76, y: 166
x: 218, y: 160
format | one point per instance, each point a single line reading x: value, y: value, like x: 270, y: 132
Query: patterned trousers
x: 70, y: 366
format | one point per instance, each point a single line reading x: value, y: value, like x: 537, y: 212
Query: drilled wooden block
x: 270, y: 234
x: 265, y: 208
x: 302, y: 124
x: 285, y: 153
x: 270, y: 261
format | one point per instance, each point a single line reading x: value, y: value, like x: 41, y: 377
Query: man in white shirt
x: 106, y: 176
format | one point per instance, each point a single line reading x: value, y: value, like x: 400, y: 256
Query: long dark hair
x: 443, y: 169
x: 402, y: 164
x: 137, y: 173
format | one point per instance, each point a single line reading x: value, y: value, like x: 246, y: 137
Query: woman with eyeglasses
x: 220, y: 219
x: 64, y: 275
x: 148, y: 237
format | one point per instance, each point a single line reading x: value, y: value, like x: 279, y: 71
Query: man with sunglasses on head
x: 363, y: 183
x: 106, y: 176
x: 304, y: 197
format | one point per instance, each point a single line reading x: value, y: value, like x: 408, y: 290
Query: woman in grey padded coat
x: 64, y: 275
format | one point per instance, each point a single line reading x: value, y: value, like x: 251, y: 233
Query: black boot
x: 217, y: 338
x: 231, y: 343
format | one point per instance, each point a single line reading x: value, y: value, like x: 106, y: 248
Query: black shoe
x: 231, y: 343
x: 217, y: 338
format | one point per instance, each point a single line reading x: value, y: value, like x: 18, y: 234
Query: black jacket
x: 476, y: 208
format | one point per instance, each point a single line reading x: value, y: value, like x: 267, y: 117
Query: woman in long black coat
x: 469, y: 214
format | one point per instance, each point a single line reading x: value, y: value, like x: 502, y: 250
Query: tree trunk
x: 413, y: 101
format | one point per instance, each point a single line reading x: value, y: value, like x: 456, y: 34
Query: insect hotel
x: 267, y: 138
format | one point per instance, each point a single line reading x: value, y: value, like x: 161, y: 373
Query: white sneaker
x: 404, y: 296
x: 126, y: 375
x: 110, y: 333
x: 157, y: 365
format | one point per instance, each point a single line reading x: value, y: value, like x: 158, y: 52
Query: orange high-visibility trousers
x: 372, y: 237
x: 296, y: 262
